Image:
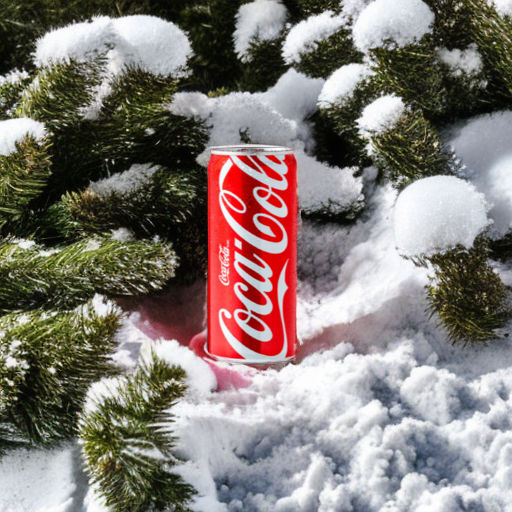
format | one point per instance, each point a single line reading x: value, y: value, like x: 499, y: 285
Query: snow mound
x: 381, y: 115
x: 77, y: 41
x: 305, y: 35
x: 150, y: 43
x: 503, y: 7
x: 435, y: 214
x: 340, y: 86
x: 353, y: 8
x: 259, y: 20
x: 125, y: 182
x: 160, y: 47
x: 392, y: 22
x: 15, y: 130
x: 321, y: 187
x: 483, y: 145
x: 466, y: 62
x: 294, y: 95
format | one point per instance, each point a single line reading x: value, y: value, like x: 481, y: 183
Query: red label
x: 252, y: 247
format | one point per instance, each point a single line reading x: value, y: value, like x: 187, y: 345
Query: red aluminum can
x: 252, y: 254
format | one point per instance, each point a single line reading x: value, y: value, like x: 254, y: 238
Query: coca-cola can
x: 252, y: 254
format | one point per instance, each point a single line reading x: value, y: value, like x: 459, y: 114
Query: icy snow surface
x: 125, y: 182
x: 340, y: 86
x: 261, y: 20
x: 462, y: 62
x: 155, y: 45
x: 504, y: 7
x: 305, y: 35
x: 484, y: 146
x: 15, y: 130
x: 435, y: 214
x: 380, y: 115
x: 400, y: 22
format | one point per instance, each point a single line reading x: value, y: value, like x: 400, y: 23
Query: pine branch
x: 468, y: 295
x: 127, y: 447
x: 413, y: 73
x: 155, y: 208
x: 23, y: 175
x: 47, y: 361
x: 410, y: 150
x: 31, y: 277
x: 329, y: 54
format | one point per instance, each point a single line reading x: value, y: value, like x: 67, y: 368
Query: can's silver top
x: 248, y: 149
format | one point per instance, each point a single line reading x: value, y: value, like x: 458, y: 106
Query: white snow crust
x: 259, y: 20
x: 305, y: 35
x: 15, y: 130
x: 381, y: 115
x: 126, y: 182
x: 155, y: 45
x: 326, y: 188
x: 435, y: 214
x: 467, y: 62
x: 483, y: 145
x: 392, y: 22
x: 340, y: 86
x: 503, y: 7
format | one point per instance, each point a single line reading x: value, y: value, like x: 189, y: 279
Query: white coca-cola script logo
x: 224, y: 263
x: 266, y: 233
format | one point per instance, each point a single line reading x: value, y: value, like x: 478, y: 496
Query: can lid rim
x: 247, y: 149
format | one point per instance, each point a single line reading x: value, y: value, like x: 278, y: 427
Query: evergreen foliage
x: 31, y: 277
x: 62, y: 196
x: 48, y: 358
x: 328, y: 55
x: 467, y: 294
x: 25, y: 174
x: 127, y: 452
x: 410, y: 150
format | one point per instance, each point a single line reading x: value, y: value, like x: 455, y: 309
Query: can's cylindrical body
x: 252, y: 254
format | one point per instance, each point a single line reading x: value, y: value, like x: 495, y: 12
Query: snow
x: 467, y: 62
x: 340, y: 86
x: 13, y: 77
x: 39, y: 480
x: 294, y: 95
x: 503, y: 7
x: 435, y: 214
x: 352, y: 8
x: 380, y: 413
x: 200, y: 378
x: 15, y: 130
x: 326, y: 188
x: 159, y: 47
x: 261, y: 20
x: 483, y: 145
x: 381, y: 115
x: 278, y: 117
x: 394, y: 23
x: 305, y: 35
x: 155, y: 45
x: 126, y: 182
